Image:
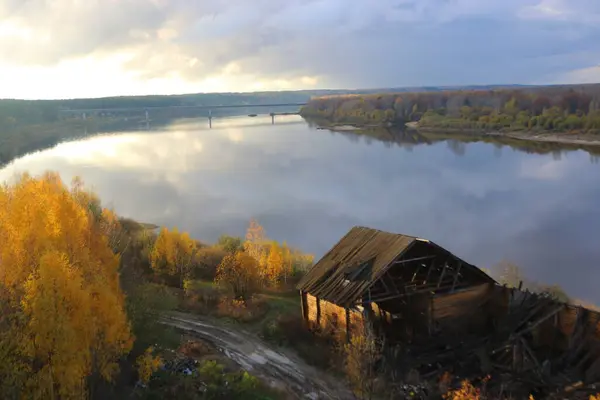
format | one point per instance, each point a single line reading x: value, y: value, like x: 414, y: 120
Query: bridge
x: 196, y: 107
x: 84, y: 112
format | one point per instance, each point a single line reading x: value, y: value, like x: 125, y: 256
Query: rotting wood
x: 431, y: 266
x: 539, y: 321
x: 456, y: 276
x: 318, y: 311
x: 442, y: 274
x: 413, y: 259
x: 545, y: 356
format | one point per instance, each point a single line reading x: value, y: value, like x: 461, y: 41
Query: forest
x: 535, y: 109
x: 82, y: 291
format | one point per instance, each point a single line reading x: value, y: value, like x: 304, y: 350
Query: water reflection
x: 484, y: 201
x: 457, y: 143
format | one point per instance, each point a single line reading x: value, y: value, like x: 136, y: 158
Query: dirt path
x: 278, y: 368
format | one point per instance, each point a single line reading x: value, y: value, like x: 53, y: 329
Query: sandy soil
x: 281, y: 369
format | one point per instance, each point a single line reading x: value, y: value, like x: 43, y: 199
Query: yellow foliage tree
x: 173, y: 254
x: 240, y: 272
x: 274, y: 263
x: 61, y: 276
x: 361, y: 355
x: 255, y: 244
x: 112, y: 229
x: 147, y: 364
x: 286, y: 267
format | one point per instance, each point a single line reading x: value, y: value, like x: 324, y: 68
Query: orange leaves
x: 466, y: 392
x: 56, y: 264
x: 147, y: 364
x: 59, y: 326
x: 173, y: 253
x: 275, y: 263
x: 240, y: 272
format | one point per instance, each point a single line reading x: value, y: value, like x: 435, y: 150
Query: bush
x: 206, y: 261
x: 210, y: 381
x: 290, y: 330
x: 203, y: 297
x: 242, y: 311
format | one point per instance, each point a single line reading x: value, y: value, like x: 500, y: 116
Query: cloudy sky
x: 92, y: 48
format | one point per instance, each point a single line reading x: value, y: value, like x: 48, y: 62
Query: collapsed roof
x: 363, y: 256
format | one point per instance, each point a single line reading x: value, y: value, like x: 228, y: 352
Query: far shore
x: 548, y: 137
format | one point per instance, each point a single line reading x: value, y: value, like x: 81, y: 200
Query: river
x: 482, y: 201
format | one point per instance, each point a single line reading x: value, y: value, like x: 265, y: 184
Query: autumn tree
x: 274, y: 263
x: 173, y: 254
x: 114, y: 232
x: 255, y: 240
x: 240, y: 273
x: 361, y: 354
x: 230, y: 244
x: 61, y: 287
x: 147, y: 364
x: 509, y: 274
x: 206, y: 261
x: 286, y: 267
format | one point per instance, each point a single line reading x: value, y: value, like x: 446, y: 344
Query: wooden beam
x: 387, y: 277
x: 318, y: 311
x: 347, y: 325
x: 428, y: 290
x: 413, y: 259
x: 442, y: 274
x: 539, y: 321
x: 456, y: 276
x: 387, y: 288
x: 385, y: 298
x: 429, y: 271
x: 304, y: 306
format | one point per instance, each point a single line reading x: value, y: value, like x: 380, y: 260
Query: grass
x: 273, y: 314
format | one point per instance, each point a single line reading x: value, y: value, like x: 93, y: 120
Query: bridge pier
x: 272, y: 118
x: 209, y: 119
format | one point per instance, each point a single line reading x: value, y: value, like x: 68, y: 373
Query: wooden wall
x: 330, y: 318
x: 463, y: 310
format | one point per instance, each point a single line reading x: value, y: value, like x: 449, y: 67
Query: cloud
x: 232, y: 45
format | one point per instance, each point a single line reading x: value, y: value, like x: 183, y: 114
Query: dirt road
x: 280, y: 369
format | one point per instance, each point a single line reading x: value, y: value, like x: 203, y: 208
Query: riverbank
x: 558, y: 114
x: 569, y: 138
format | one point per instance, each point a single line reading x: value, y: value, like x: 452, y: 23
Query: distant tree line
x: 548, y: 108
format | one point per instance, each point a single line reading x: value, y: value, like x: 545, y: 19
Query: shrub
x: 201, y: 296
x: 242, y: 311
x: 206, y: 261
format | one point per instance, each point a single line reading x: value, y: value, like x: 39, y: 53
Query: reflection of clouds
x: 544, y: 169
x: 235, y: 135
x: 308, y: 187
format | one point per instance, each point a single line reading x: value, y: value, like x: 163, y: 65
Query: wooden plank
x: 442, y: 274
x: 456, y: 275
x: 431, y: 266
x: 540, y: 320
x: 318, y: 312
x: 413, y: 259
x: 304, y: 302
x: 347, y: 325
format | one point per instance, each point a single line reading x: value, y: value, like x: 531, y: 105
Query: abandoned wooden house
x: 406, y: 286
x: 415, y: 292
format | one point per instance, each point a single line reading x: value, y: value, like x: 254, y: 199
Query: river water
x: 484, y: 202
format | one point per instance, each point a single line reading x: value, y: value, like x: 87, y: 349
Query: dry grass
x: 242, y: 311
